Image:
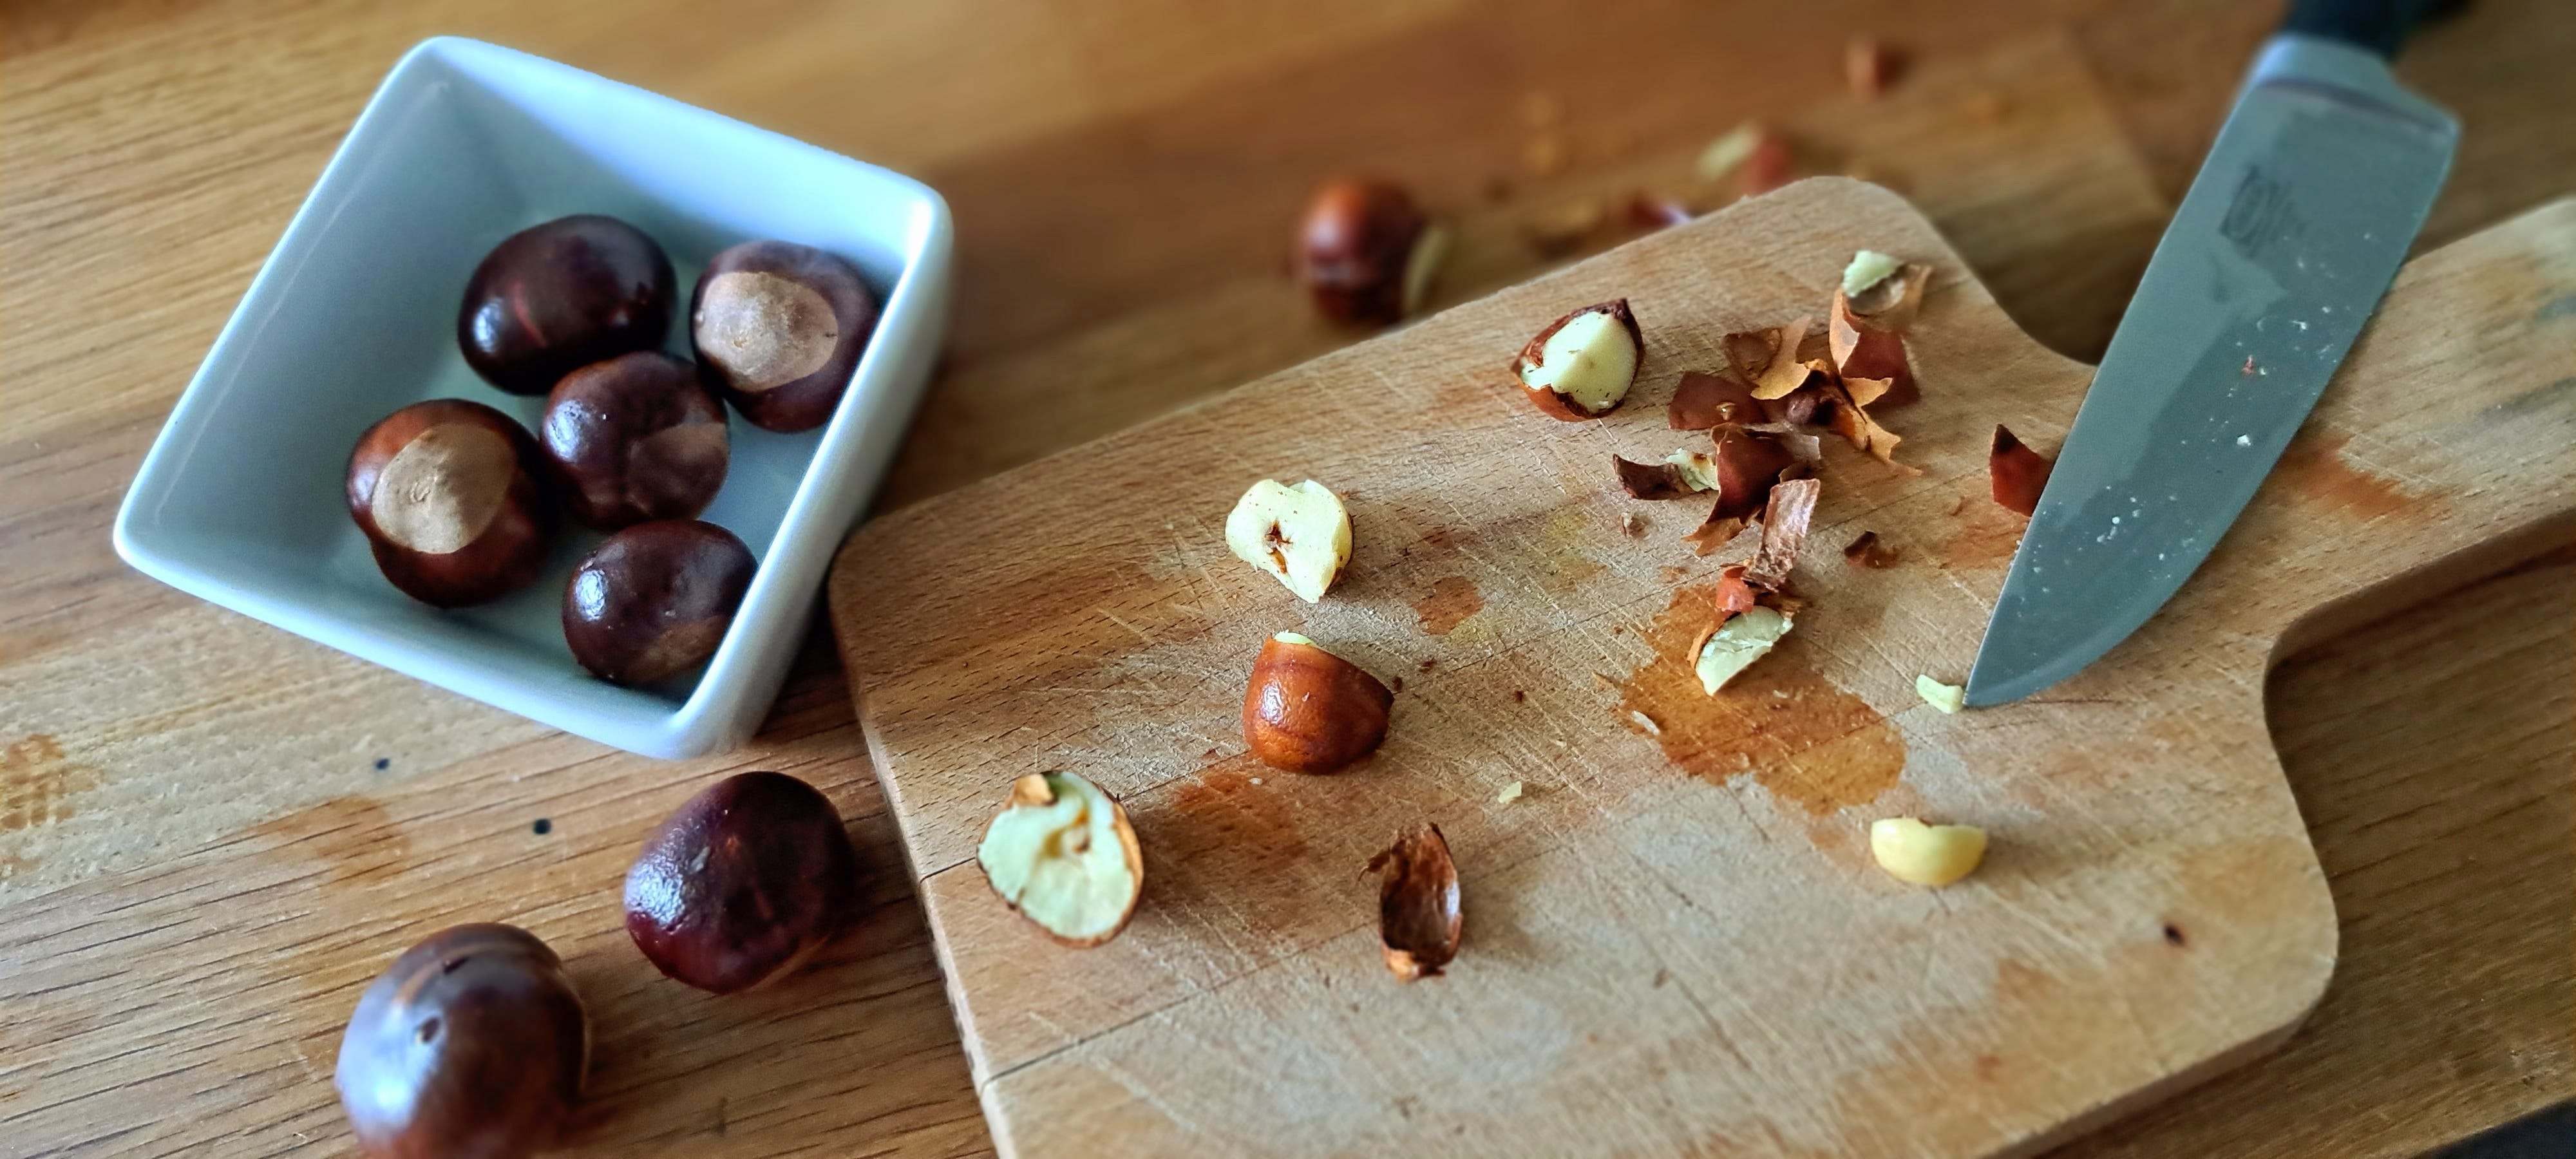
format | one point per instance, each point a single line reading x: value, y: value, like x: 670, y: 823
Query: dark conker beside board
x: 472, y: 1045
x: 446, y: 495
x: 553, y: 298
x: 778, y: 328
x: 655, y: 600
x: 742, y: 884
x: 635, y: 438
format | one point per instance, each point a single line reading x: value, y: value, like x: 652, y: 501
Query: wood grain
x: 2150, y: 857
x: 156, y: 147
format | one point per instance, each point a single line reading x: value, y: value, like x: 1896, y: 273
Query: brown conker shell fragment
x: 1309, y: 711
x: 1420, y: 920
x: 2018, y: 473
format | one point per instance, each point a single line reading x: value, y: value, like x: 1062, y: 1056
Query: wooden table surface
x: 1124, y: 174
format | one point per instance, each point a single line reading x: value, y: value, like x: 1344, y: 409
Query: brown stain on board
x: 37, y: 784
x: 2313, y: 466
x: 351, y: 837
x: 1985, y: 536
x: 1224, y: 807
x: 1452, y: 600
x: 1794, y: 732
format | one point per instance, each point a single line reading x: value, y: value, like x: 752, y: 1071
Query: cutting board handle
x: 2385, y: 498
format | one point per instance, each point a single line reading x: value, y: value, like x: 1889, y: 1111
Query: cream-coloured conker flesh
x: 778, y: 329
x: 1920, y: 854
x: 1063, y: 855
x: 1582, y: 364
x: 1300, y: 534
x: 1744, y: 638
x: 446, y: 494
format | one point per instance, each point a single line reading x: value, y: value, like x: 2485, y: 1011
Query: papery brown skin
x: 511, y: 551
x: 1352, y: 249
x: 1650, y: 481
x: 809, y: 400
x: 1784, y: 533
x: 1866, y: 551
x: 742, y: 883
x: 1749, y: 464
x: 2017, y: 472
x: 1863, y: 351
x: 1856, y: 427
x: 1704, y: 401
x: 555, y: 297
x: 1783, y: 371
x: 1309, y: 711
x: 1420, y: 921
x: 471, y: 1045
x: 1554, y: 404
x: 634, y: 438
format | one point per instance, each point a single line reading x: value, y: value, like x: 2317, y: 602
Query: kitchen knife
x: 2317, y: 185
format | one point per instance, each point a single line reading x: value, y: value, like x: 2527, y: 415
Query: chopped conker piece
x: 473, y: 1043
x: 1581, y: 365
x: 2018, y: 473
x: 1307, y: 710
x: 1063, y: 855
x: 553, y: 298
x: 742, y: 884
x: 1419, y: 918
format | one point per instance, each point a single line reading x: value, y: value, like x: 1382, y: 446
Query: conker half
x: 635, y: 438
x: 472, y: 1045
x: 1309, y: 711
x: 448, y: 497
x: 742, y: 884
x: 553, y: 298
x: 778, y: 328
x: 655, y: 600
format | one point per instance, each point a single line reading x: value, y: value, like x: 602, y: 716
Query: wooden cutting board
x: 1675, y: 941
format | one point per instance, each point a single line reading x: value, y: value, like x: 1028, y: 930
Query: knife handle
x: 2377, y: 26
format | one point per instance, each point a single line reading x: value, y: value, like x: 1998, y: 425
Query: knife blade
x: 2318, y: 183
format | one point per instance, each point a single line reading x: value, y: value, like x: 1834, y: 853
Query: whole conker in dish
x: 634, y: 438
x: 553, y: 298
x: 447, y: 493
x: 742, y: 884
x: 655, y: 600
x: 472, y: 1045
x: 778, y: 329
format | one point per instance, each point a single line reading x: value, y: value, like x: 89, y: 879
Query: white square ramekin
x: 353, y: 316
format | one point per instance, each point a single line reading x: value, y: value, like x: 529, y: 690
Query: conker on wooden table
x: 1366, y: 253
x: 553, y: 298
x: 634, y: 438
x: 447, y: 495
x: 778, y: 328
x: 742, y: 884
x: 655, y: 600
x: 472, y: 1045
